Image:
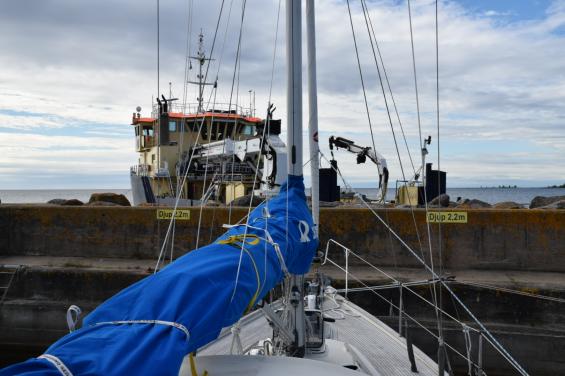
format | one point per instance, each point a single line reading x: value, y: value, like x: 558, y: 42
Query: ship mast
x: 201, y: 59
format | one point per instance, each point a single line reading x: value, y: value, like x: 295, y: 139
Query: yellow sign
x: 446, y: 217
x: 180, y: 214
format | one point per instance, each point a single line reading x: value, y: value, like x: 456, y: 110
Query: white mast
x: 313, y: 110
x: 294, y: 86
x: 294, y: 144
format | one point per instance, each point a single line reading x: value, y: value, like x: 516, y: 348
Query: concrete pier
x: 518, y: 239
x: 83, y: 255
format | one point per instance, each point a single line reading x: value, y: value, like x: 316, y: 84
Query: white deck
x: 380, y: 344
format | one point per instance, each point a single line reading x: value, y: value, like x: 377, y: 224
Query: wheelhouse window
x: 148, y: 131
x: 172, y: 126
x: 248, y: 130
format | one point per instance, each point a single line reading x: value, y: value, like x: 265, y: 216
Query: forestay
x: 150, y: 326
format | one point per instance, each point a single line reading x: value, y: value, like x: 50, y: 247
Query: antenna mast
x: 201, y: 58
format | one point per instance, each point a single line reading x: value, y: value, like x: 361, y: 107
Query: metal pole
x: 346, y: 272
x: 313, y: 111
x: 400, y: 308
x: 156, y: 178
x: 480, y: 355
x: 294, y: 145
x: 294, y: 86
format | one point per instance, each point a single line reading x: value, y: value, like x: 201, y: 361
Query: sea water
x: 490, y: 195
x: 41, y: 196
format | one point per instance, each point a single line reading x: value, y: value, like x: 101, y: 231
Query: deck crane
x: 362, y: 154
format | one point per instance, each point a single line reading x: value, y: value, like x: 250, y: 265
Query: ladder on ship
x: 7, y: 275
x: 147, y: 190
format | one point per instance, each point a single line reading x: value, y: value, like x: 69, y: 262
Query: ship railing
x: 192, y: 108
x: 403, y: 316
x: 140, y: 169
x: 235, y: 178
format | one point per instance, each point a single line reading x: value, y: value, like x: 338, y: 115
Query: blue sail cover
x: 150, y: 326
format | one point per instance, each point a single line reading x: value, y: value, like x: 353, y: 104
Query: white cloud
x: 94, y: 63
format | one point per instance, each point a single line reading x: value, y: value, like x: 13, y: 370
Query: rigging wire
x: 361, y: 76
x: 158, y: 87
x: 178, y: 189
x: 438, y: 153
x: 187, y: 67
x: 399, y: 284
x: 428, y: 228
x: 211, y: 131
x: 411, y: 318
x: 485, y: 332
x: 365, y: 11
x: 496, y: 344
x: 177, y: 200
x: 368, y: 14
x: 511, y: 291
x: 236, y: 70
x: 489, y: 336
x: 265, y: 129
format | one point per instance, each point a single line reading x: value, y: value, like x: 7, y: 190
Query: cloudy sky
x: 73, y: 72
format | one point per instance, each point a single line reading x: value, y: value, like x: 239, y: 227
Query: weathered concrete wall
x: 121, y: 232
x: 492, y: 239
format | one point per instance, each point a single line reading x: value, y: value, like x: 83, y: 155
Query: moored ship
x: 220, y: 154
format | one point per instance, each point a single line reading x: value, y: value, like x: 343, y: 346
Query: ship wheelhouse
x: 166, y: 140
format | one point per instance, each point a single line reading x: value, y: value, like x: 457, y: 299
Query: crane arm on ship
x: 362, y: 154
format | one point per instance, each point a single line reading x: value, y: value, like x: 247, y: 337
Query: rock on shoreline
x: 109, y: 199
x: 548, y: 202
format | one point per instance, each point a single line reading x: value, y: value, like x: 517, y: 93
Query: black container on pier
x: 435, y: 182
x: 329, y: 190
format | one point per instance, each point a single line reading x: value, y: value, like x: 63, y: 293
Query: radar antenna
x: 201, y: 58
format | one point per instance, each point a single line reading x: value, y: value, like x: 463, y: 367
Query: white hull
x: 374, y: 347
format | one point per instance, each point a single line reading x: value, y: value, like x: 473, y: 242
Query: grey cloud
x: 502, y: 81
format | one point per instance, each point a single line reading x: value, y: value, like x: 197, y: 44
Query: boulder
x: 72, y: 202
x: 329, y: 204
x: 555, y: 205
x: 244, y: 201
x: 441, y: 200
x: 403, y: 206
x: 114, y: 198
x: 57, y: 201
x: 102, y: 203
x: 541, y: 201
x: 508, y: 205
x: 473, y: 204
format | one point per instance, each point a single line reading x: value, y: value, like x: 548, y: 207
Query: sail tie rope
x: 158, y: 322
x: 73, y: 319
x: 57, y: 363
x: 269, y: 239
x: 338, y: 309
x: 239, y: 241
